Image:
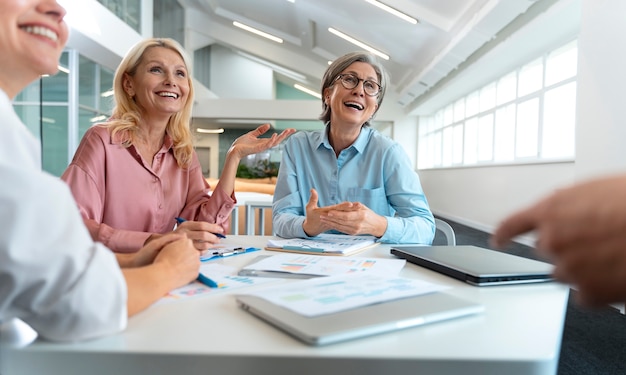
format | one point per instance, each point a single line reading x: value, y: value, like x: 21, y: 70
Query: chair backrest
x: 448, y: 232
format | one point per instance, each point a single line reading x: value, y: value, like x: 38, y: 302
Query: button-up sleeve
x: 204, y: 205
x: 125, y: 199
x: 374, y: 170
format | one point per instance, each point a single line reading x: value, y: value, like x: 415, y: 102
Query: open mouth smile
x: 42, y: 31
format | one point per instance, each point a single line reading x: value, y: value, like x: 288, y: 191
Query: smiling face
x: 32, y: 37
x: 160, y: 84
x: 352, y: 106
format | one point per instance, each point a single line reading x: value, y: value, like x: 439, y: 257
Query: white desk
x: 519, y: 333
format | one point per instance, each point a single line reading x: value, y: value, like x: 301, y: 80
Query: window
x: 527, y: 115
x: 526, y: 130
x: 43, y: 108
x: 95, y: 94
x: 46, y: 107
x: 559, y: 122
x: 128, y: 11
x: 504, y: 133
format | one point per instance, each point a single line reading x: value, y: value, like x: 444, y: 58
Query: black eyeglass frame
x: 358, y: 80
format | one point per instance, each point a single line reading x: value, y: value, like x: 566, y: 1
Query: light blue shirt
x: 375, y: 171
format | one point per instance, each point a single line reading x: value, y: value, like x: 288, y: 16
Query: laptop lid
x: 476, y: 265
x: 360, y: 322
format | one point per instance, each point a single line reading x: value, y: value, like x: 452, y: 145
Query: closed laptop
x: 360, y: 322
x: 476, y: 265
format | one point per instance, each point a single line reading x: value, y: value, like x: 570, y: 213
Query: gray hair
x: 342, y: 63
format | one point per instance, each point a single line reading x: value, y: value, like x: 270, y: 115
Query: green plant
x: 260, y: 169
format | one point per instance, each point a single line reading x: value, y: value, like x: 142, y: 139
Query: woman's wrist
x: 153, y: 236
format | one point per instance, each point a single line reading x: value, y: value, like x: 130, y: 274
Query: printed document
x: 326, y: 295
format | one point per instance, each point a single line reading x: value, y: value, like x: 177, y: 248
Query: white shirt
x: 52, y: 275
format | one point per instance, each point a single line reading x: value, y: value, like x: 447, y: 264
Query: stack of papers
x: 328, y: 295
x: 324, y: 244
x: 225, y: 276
x: 306, y: 266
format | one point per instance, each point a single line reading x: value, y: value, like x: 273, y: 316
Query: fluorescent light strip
x: 393, y: 11
x: 308, y: 91
x: 210, y: 131
x: 257, y: 32
x: 107, y: 93
x: 358, y: 43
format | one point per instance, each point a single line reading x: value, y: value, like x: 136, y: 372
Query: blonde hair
x: 126, y: 114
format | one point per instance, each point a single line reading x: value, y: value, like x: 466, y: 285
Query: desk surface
x: 519, y: 333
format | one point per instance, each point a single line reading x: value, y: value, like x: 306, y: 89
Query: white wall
x: 405, y: 133
x: 601, y: 127
x: 233, y: 76
x: 480, y: 197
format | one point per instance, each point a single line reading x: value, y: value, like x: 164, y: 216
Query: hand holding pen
x: 202, y: 233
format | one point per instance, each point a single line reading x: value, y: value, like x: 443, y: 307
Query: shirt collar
x: 358, y: 145
x: 168, y: 142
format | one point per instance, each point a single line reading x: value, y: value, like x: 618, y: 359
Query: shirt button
x: 220, y: 216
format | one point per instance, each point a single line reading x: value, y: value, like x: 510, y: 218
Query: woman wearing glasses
x: 349, y: 178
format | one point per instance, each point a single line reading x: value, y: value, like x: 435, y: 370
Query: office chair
x: 447, y: 231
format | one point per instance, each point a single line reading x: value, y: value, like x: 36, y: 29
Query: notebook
x: 476, y: 265
x: 323, y: 244
x: 358, y: 322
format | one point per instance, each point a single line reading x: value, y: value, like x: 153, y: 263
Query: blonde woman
x: 133, y: 175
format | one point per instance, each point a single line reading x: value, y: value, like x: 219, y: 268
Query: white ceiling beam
x: 265, y: 49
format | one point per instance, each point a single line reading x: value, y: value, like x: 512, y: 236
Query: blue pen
x: 180, y: 220
x: 207, y: 281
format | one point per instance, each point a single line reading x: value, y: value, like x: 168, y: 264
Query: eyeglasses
x: 350, y: 81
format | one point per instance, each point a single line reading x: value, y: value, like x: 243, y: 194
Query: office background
x: 477, y: 190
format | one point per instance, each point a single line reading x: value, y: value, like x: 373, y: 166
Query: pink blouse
x: 123, y: 199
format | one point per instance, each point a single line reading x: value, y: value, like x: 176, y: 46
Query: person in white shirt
x: 52, y: 275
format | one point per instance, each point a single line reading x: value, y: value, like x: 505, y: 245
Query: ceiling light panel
x: 358, y: 43
x: 257, y: 32
x: 393, y: 11
x: 308, y: 91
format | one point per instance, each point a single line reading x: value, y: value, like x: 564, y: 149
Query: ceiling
x: 420, y: 55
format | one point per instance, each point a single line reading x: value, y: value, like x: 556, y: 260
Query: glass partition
x: 46, y: 107
x: 128, y: 11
